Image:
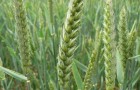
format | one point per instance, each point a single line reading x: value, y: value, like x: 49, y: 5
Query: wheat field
x: 69, y: 45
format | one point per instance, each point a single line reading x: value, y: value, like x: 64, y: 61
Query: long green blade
x: 13, y: 74
x: 120, y: 73
x: 80, y: 65
x: 77, y: 77
x: 2, y: 74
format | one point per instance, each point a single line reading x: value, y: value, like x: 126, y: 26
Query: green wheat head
x: 92, y: 67
x: 122, y: 28
x: 108, y: 39
x: 22, y: 33
x: 68, y: 42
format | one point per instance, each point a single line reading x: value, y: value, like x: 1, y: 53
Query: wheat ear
x: 67, y: 45
x: 23, y: 35
x: 108, y: 39
x: 92, y: 67
x: 123, y: 37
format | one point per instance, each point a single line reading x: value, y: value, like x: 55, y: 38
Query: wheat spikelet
x: 68, y: 42
x: 108, y: 39
x: 51, y: 85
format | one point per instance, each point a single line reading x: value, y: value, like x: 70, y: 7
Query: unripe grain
x: 122, y: 28
x: 23, y: 35
x: 92, y: 64
x: 68, y: 45
x: 109, y: 46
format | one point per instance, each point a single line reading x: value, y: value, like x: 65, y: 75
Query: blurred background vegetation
x: 45, y: 35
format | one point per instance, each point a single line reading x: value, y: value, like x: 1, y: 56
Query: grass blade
x: 77, y: 76
x: 13, y: 74
x: 80, y: 65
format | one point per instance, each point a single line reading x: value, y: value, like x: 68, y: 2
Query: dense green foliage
x: 46, y: 20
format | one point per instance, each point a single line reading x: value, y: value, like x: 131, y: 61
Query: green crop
x: 69, y: 45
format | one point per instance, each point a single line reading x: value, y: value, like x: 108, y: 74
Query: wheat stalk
x: 50, y: 4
